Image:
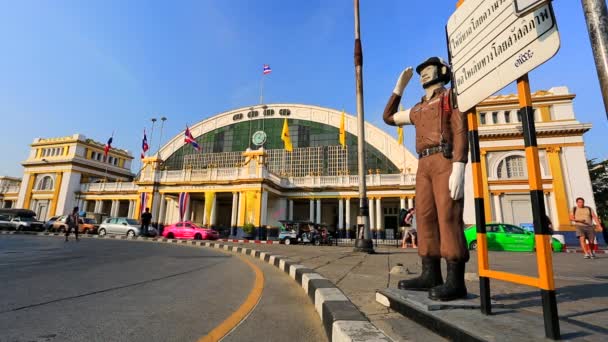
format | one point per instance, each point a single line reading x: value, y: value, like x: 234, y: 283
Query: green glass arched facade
x: 237, y: 137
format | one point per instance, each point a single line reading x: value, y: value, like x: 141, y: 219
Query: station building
x: 236, y: 180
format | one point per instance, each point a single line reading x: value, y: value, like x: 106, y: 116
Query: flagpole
x: 162, y: 125
x: 262, y: 89
x: 152, y: 132
x: 362, y: 243
x: 105, y: 175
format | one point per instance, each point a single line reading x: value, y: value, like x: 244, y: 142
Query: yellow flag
x: 286, y: 137
x: 343, y: 130
x: 209, y: 195
x: 400, y: 135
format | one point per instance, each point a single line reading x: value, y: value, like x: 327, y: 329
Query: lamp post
x: 152, y: 133
x: 160, y: 139
x: 596, y: 15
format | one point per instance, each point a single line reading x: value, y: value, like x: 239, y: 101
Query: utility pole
x: 364, y: 244
x: 597, y: 24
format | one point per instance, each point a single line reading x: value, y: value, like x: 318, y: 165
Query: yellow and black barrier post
x: 542, y: 236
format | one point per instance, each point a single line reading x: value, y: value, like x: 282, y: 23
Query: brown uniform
x: 439, y: 217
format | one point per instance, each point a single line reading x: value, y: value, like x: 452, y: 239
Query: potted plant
x: 248, y: 230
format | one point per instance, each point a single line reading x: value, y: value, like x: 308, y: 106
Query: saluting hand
x: 403, y: 80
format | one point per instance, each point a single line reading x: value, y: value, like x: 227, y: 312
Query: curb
x: 341, y: 319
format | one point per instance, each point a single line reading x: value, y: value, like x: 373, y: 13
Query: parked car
x: 189, y: 230
x: 301, y: 232
x: 119, y: 226
x: 19, y: 219
x: 48, y: 225
x: 87, y: 225
x: 507, y: 237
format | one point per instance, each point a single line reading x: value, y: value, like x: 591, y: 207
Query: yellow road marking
x: 233, y: 320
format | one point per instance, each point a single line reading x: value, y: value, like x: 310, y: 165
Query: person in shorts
x: 583, y: 218
x: 410, y: 232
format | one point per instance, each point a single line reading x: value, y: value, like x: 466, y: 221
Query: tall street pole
x: 597, y: 24
x: 363, y: 243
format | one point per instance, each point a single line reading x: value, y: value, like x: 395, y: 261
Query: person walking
x: 412, y: 232
x: 72, y: 223
x: 583, y: 218
x: 146, y: 218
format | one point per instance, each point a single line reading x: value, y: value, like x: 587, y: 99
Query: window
x: 482, y: 118
x: 512, y: 167
x: 492, y: 228
x: 513, y: 229
x: 269, y: 112
x: 518, y: 116
x: 46, y: 183
x: 253, y: 114
x: 495, y: 118
x: 507, y: 116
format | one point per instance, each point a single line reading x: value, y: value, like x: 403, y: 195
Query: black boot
x: 454, y: 287
x: 430, y: 277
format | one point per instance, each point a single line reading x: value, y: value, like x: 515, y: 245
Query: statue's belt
x: 429, y: 151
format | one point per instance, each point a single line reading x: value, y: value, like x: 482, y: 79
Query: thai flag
x: 144, y: 145
x: 267, y: 69
x: 183, y: 203
x: 107, y: 148
x: 189, y: 139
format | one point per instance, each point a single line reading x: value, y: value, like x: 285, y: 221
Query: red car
x: 189, y: 230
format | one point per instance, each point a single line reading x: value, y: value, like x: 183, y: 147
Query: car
x: 49, y: 224
x: 507, y: 237
x: 19, y: 219
x: 119, y: 226
x: 87, y: 225
x: 189, y: 230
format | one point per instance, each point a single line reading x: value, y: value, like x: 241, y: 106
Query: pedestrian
x: 410, y: 232
x: 72, y: 223
x: 583, y: 217
x: 146, y: 218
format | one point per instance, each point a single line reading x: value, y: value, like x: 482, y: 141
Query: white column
x: 241, y: 209
x: 312, y: 211
x: 205, y: 218
x: 347, y: 218
x: 97, y: 206
x: 264, y: 209
x: 372, y: 214
x: 290, y: 217
x: 187, y: 212
x: 318, y: 220
x: 114, y: 208
x: 553, y: 206
x: 341, y: 213
x: 498, y: 208
x: 235, y: 207
x: 214, y: 211
x: 402, y: 203
x: 410, y: 202
x: 379, y: 225
x: 547, y: 208
x: 162, y: 212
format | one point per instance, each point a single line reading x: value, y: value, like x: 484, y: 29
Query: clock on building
x: 259, y: 138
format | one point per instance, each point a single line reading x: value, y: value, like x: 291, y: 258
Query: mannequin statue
x: 442, y: 147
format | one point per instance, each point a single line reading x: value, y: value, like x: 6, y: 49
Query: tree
x: 599, y: 181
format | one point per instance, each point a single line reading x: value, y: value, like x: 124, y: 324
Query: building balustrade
x: 108, y: 187
x: 11, y: 189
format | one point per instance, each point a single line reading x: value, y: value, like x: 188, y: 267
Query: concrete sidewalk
x: 582, y: 285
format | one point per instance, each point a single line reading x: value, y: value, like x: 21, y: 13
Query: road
x: 109, y: 290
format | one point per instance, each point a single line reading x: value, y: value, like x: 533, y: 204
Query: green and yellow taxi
x: 507, y: 237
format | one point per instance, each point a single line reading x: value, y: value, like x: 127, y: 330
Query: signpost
x: 490, y: 46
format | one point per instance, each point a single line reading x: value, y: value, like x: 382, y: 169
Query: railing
x: 107, y: 187
x: 348, y: 181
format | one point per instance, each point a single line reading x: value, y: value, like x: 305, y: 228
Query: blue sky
x: 95, y: 67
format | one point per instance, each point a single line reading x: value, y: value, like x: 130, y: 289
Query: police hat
x: 443, y: 74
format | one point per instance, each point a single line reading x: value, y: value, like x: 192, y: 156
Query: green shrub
x: 248, y: 228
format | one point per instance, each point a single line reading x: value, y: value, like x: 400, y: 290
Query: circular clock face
x: 259, y: 138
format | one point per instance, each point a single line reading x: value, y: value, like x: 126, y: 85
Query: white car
x: 119, y: 226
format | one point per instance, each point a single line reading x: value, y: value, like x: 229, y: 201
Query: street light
x: 160, y: 139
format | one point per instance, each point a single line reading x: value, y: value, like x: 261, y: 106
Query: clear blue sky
x: 95, y: 67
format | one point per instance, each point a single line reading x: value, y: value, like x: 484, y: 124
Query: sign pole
x: 596, y: 15
x: 541, y: 228
x: 362, y: 243
x: 480, y: 216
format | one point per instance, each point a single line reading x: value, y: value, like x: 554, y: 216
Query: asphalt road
x: 104, y: 290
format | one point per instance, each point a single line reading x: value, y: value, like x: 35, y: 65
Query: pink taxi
x: 189, y: 230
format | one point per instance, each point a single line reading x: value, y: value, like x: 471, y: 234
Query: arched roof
x: 376, y: 137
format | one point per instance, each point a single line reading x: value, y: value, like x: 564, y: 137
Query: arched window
x: 512, y: 167
x: 46, y: 183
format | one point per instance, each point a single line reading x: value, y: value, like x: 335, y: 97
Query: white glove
x: 456, y: 182
x: 403, y: 80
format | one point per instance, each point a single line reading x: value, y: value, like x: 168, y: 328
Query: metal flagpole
x: 105, y: 175
x: 152, y: 133
x: 596, y: 15
x: 364, y: 244
x: 262, y: 89
x: 160, y: 139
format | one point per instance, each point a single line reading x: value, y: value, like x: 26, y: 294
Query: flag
x: 144, y: 145
x: 267, y: 69
x: 400, y: 135
x: 343, y: 130
x: 183, y: 203
x: 108, y: 146
x: 285, y: 136
x: 190, y: 139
